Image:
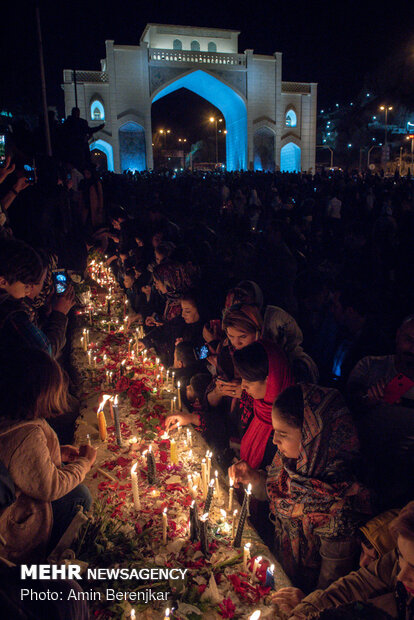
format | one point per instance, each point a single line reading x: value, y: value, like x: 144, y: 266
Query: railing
x: 296, y: 87
x: 85, y: 76
x: 212, y: 58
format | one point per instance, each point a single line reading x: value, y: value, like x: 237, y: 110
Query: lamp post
x: 374, y: 146
x: 386, y: 109
x: 215, y: 120
x: 182, y: 142
x: 411, y: 137
x: 323, y: 146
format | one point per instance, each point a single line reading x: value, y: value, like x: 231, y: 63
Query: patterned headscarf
x: 178, y: 279
x: 316, y: 495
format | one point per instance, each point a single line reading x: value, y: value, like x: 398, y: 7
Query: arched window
x: 195, y: 46
x: 177, y: 44
x: 290, y: 120
x: 97, y: 111
x: 212, y: 47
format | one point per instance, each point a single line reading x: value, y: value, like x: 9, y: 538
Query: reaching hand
x: 229, y: 388
x: 21, y: 184
x: 151, y: 322
x: 63, y: 303
x: 182, y: 419
x: 88, y: 452
x: 375, y: 393
x: 287, y: 598
x: 241, y: 472
x: 7, y: 169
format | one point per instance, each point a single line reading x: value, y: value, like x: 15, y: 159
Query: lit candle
x: 130, y: 342
x: 189, y: 438
x: 168, y: 374
x: 167, y: 614
x: 209, y: 455
x: 157, y: 361
x: 179, y: 395
x: 256, y: 565
x: 255, y: 615
x: 231, y: 493
x: 89, y: 357
x: 270, y: 577
x: 164, y: 527
x: 117, y: 423
x: 122, y: 368
x: 101, y: 418
x: 135, y: 489
x: 88, y: 439
x: 246, y: 555
x: 175, y: 407
x: 243, y: 516
x: 173, y: 452
x: 204, y: 477
x: 210, y: 494
x: 172, y: 377
x: 133, y: 443
x: 133, y: 616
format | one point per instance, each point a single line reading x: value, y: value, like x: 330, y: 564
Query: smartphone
x: 2, y: 149
x: 201, y: 352
x: 60, y: 280
x: 29, y: 173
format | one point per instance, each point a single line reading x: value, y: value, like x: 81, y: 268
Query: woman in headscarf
x: 172, y: 280
x: 281, y: 327
x: 316, y: 503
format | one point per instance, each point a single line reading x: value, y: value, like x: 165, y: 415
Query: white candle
x: 89, y: 357
x: 256, y: 615
x: 231, y: 492
x: 179, y: 395
x: 133, y: 616
x: 208, y: 455
x: 204, y: 477
x: 256, y: 565
x: 167, y: 614
x: 246, y: 555
x: 217, y: 490
x: 135, y: 489
x: 164, y: 527
x: 189, y: 438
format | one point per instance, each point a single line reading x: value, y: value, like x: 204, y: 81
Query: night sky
x: 333, y: 43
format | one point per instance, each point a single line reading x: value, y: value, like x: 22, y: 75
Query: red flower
x: 122, y: 384
x: 227, y: 608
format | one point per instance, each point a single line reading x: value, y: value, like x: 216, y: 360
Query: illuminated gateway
x: 271, y: 124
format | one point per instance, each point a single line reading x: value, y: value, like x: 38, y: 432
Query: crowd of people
x: 283, y: 303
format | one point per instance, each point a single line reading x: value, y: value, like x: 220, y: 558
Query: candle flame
x: 164, y: 511
x: 134, y: 467
x: 234, y: 514
x: 105, y: 397
x: 249, y: 489
x: 204, y: 517
x: 231, y: 482
x: 167, y: 612
x: 223, y: 513
x: 116, y: 404
x: 272, y: 568
x: 212, y: 482
x: 150, y: 448
x: 256, y: 615
x: 216, y: 473
x: 247, y: 545
x: 193, y: 503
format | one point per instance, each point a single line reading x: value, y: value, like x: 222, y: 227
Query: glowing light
x: 106, y: 148
x: 290, y: 156
x: 230, y: 104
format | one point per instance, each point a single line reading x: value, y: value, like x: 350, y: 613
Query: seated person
x: 187, y: 327
x: 381, y: 395
x: 387, y: 583
x: 172, y: 280
x: 186, y: 363
x: 47, y: 492
x: 315, y: 502
x: 376, y: 538
x: 358, y: 332
x: 20, y: 269
x: 47, y: 310
x: 193, y: 397
x: 386, y: 379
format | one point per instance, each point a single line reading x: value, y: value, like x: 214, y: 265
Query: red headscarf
x: 253, y: 444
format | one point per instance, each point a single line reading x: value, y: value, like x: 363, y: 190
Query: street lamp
x: 323, y: 146
x: 385, y: 109
x: 411, y: 137
x: 215, y: 120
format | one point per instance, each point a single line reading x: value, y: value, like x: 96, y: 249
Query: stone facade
x: 270, y: 124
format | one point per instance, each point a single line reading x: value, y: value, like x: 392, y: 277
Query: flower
x: 122, y: 385
x: 227, y: 608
